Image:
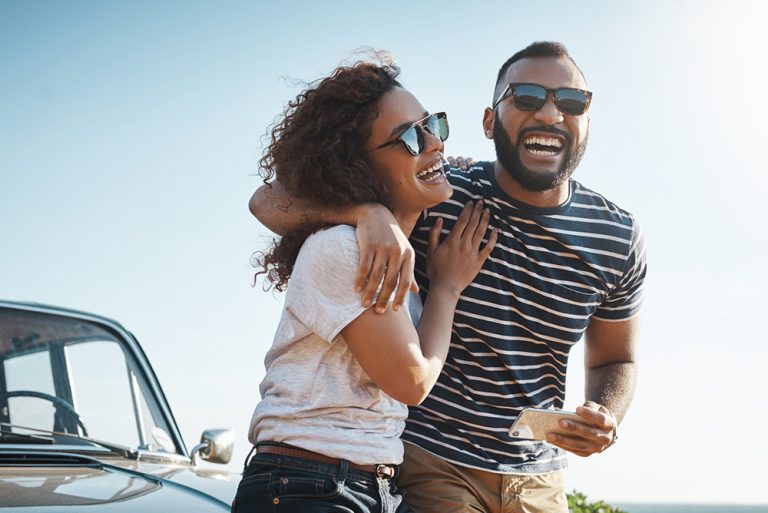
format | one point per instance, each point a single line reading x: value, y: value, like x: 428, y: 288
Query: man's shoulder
x: 476, y: 172
x: 593, y: 204
x: 474, y: 182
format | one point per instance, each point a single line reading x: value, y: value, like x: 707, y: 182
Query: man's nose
x: 549, y: 114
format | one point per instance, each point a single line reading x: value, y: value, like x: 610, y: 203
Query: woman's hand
x: 454, y: 263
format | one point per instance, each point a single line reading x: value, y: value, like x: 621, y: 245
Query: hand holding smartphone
x: 536, y: 424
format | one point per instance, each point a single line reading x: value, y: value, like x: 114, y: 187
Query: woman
x: 339, y: 375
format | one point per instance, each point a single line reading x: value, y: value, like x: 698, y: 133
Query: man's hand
x: 384, y: 253
x: 594, y: 435
x: 461, y: 162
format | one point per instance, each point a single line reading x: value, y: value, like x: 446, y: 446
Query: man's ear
x: 586, y: 128
x: 488, y: 117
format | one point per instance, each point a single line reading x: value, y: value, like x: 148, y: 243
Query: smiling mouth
x: 543, y: 146
x: 432, y: 173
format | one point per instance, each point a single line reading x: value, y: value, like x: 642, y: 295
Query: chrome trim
x: 215, y: 446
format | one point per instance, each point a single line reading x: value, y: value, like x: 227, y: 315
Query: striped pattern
x: 551, y: 271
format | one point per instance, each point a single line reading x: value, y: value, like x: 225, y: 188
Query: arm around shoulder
x: 280, y: 211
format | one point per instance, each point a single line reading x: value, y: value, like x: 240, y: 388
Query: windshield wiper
x: 125, y: 452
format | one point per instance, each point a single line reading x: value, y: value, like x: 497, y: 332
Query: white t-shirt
x: 315, y: 395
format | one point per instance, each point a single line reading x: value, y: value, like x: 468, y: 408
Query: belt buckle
x: 385, y: 471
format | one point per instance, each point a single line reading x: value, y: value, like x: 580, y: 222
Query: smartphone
x: 535, y: 424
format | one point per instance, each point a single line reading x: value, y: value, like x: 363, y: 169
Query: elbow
x: 413, y: 398
x: 413, y: 394
x: 259, y: 207
x: 255, y: 204
x: 410, y: 383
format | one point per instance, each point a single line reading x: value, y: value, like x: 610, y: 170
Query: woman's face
x: 414, y: 182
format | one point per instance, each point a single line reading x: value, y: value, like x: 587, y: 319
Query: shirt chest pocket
x: 568, y: 307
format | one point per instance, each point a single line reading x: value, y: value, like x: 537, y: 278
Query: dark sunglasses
x: 532, y: 97
x: 413, y: 137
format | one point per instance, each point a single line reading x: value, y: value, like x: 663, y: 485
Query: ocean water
x: 691, y: 508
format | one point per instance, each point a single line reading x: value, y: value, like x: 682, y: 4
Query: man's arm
x: 384, y: 249
x: 609, y: 359
x: 281, y: 212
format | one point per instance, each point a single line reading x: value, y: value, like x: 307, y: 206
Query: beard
x: 508, y: 155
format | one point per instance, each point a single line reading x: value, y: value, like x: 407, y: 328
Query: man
x: 567, y: 263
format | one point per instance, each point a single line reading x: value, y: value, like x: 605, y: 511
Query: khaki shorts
x: 433, y: 485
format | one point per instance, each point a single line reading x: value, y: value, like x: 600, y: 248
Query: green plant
x: 578, y: 503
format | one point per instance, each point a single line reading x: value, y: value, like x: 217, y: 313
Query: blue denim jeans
x: 286, y: 484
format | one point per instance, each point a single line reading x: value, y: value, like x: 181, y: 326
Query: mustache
x: 547, y: 129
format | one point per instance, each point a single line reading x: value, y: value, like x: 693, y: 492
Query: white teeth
x: 438, y: 166
x: 543, y: 141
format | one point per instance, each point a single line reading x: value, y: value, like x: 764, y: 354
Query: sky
x: 130, y: 133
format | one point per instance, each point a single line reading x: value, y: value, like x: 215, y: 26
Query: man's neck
x: 545, y: 199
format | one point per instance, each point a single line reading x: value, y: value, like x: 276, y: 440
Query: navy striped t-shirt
x: 552, y: 270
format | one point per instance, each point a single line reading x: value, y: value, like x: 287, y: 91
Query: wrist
x: 365, y: 210
x: 614, y: 433
x: 445, y: 290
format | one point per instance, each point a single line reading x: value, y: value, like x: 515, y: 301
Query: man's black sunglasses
x: 532, y: 97
x: 413, y: 137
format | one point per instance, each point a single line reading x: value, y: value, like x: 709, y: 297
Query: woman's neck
x: 406, y: 221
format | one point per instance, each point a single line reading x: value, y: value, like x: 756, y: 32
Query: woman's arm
x: 403, y: 360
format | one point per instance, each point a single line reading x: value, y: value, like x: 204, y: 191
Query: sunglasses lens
x: 529, y: 97
x: 413, y: 139
x: 571, y: 101
x: 437, y: 125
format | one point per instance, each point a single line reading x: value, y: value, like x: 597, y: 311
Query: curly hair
x: 317, y: 152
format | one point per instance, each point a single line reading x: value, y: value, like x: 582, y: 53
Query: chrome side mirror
x: 215, y: 446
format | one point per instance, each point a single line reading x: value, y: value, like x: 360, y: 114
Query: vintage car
x: 85, y: 426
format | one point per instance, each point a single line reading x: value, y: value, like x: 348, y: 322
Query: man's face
x: 539, y: 149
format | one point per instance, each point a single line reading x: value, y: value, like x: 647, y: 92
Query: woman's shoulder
x: 336, y: 244
x: 331, y: 237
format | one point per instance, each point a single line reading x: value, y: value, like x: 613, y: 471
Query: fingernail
x: 565, y: 423
x: 379, y: 310
x: 366, y: 303
x: 552, y: 438
x: 395, y: 307
x: 359, y: 289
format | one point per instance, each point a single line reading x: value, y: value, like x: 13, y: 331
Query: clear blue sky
x: 130, y: 135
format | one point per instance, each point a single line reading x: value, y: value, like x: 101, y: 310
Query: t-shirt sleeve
x: 626, y: 300
x: 321, y: 291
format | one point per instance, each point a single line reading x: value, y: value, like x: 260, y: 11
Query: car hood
x: 70, y: 482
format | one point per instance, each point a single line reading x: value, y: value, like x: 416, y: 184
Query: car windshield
x: 71, y: 375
